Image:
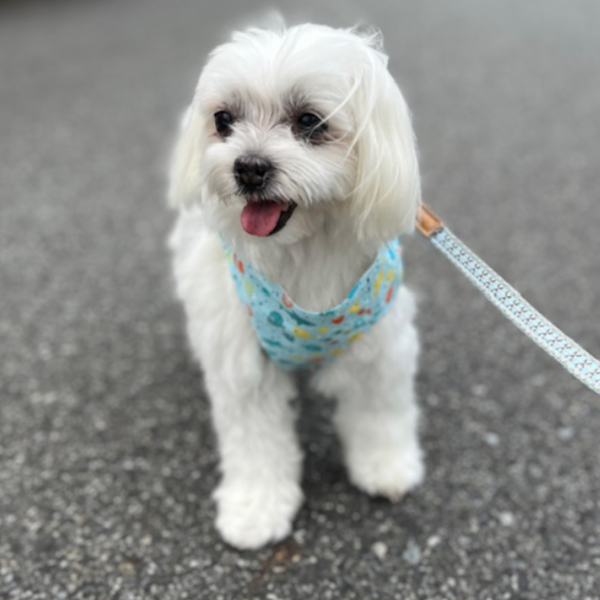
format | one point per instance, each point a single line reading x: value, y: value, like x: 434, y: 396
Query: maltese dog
x: 295, y: 172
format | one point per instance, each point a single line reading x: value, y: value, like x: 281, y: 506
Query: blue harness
x: 298, y: 339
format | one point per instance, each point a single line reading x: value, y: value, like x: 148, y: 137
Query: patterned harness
x: 295, y: 338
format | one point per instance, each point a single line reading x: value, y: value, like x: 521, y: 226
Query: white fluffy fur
x: 354, y: 191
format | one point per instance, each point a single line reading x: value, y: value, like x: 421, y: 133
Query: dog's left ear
x: 387, y: 189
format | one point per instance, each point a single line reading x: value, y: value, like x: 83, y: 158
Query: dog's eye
x: 223, y: 122
x: 309, y: 124
x: 308, y: 121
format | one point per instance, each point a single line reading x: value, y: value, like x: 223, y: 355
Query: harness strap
x: 515, y: 308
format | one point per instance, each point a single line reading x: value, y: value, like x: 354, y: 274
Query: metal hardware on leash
x: 545, y: 334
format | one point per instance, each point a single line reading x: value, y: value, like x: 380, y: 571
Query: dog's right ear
x: 184, y: 173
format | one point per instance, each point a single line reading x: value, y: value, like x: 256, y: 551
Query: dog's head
x: 290, y: 128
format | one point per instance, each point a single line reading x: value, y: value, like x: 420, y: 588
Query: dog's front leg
x: 377, y: 415
x: 259, y: 493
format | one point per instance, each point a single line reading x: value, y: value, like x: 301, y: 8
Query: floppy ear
x: 184, y: 174
x: 388, y: 188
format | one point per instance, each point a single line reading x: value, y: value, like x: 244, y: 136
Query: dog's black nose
x: 252, y: 172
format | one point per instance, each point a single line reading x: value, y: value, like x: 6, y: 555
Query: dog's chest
x: 296, y: 337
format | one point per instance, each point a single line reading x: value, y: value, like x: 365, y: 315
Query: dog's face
x: 288, y: 129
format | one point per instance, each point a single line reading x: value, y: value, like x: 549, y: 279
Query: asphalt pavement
x: 107, y: 457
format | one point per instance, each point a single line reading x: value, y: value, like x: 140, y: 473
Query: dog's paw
x: 388, y: 472
x: 252, y: 514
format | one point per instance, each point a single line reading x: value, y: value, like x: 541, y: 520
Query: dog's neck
x: 318, y: 271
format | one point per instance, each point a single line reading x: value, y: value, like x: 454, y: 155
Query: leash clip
x: 428, y: 223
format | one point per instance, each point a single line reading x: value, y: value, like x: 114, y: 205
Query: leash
x: 510, y: 303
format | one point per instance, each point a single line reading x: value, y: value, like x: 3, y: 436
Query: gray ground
x: 107, y: 458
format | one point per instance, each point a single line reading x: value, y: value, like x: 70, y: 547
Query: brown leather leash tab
x: 428, y: 223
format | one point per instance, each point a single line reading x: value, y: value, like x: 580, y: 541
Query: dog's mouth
x: 266, y: 217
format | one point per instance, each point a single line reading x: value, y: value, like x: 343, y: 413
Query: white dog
x: 296, y: 170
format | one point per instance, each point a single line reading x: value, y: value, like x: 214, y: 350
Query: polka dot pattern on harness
x: 295, y: 338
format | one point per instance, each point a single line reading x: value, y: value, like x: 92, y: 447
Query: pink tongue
x: 260, y: 218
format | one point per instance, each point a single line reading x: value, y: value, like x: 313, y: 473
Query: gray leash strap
x: 510, y: 303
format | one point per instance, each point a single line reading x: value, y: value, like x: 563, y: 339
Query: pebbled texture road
x: 107, y: 458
